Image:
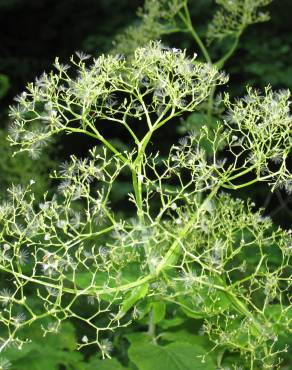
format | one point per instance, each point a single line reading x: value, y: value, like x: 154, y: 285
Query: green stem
x: 189, y: 26
x: 210, y: 105
x: 221, y: 62
x: 251, y: 182
x: 244, y: 172
x: 151, y: 326
x: 98, y: 136
x: 137, y: 179
x: 237, y: 304
x: 138, y: 189
x: 188, y: 23
x: 244, y: 310
x: 175, y: 245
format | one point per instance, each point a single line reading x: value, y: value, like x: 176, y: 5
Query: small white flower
x: 19, y: 319
x: 106, y: 347
x: 6, y: 247
x: 6, y: 296
x: 4, y: 364
x: 173, y: 206
x: 23, y: 256
x: 176, y: 51
x: 82, y: 56
x: 84, y: 339
x: 61, y: 224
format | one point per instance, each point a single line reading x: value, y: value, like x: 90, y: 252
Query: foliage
x: 21, y: 170
x: 5, y: 3
x: 59, y: 350
x: 265, y: 63
x: 174, y: 356
x: 157, y: 18
x: 188, y: 249
x: 4, y: 85
x: 164, y: 17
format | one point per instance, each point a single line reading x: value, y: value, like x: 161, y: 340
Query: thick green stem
x: 138, y: 189
x: 151, y: 326
x: 137, y: 176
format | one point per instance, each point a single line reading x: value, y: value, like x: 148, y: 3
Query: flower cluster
x: 234, y: 16
x: 110, y: 89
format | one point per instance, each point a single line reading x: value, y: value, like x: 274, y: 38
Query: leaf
x: 65, y: 339
x: 135, y: 295
x: 130, y: 273
x: 52, y: 360
x: 175, y: 356
x: 280, y: 317
x: 205, y: 302
x: 196, y: 121
x: 275, y: 311
x: 4, y: 85
x: 85, y: 279
x: 33, y: 358
x: 47, y: 353
x: 158, y: 311
x: 157, y: 308
x: 108, y: 364
x: 138, y: 338
x: 184, y: 336
x: 232, y: 362
x: 170, y: 323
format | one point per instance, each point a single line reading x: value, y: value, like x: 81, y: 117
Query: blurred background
x: 34, y: 32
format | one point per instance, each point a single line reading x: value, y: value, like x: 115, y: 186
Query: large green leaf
x: 48, y: 358
x: 158, y: 311
x: 108, y: 364
x: 157, y: 308
x: 175, y: 356
x: 171, y: 323
x: 184, y: 336
x: 47, y: 353
x: 140, y: 337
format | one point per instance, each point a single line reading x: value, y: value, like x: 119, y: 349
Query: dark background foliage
x: 33, y: 32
